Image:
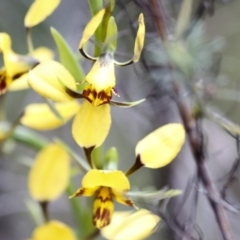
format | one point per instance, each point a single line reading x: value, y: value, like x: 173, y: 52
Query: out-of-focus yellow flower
x: 101, y: 78
x: 161, y: 146
x: 53, y: 230
x: 40, y: 116
x: 105, y: 185
x: 131, y: 225
x: 39, y: 11
x: 50, y: 173
x: 5, y: 131
x: 17, y: 66
x: 49, y: 79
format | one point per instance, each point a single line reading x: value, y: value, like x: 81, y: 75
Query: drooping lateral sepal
x: 91, y: 125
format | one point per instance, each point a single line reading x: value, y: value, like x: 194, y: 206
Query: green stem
x: 96, y: 6
x: 97, y: 157
x: 83, y: 165
x: 79, y: 215
x: 29, y: 41
x: 29, y: 138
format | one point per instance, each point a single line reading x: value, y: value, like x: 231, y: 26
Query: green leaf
x: 111, y: 36
x: 29, y: 138
x: 111, y: 159
x: 183, y: 18
x: 68, y: 58
x: 83, y: 164
x: 35, y: 211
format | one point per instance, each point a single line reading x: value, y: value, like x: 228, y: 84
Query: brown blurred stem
x: 194, y: 132
x: 195, y: 135
x: 159, y: 17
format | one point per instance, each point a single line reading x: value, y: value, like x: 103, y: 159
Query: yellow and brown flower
x: 16, y: 66
x: 101, y: 78
x: 105, y: 186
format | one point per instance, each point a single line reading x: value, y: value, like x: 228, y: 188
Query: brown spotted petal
x: 103, y: 207
x: 122, y: 199
x: 86, y: 192
x: 5, y: 81
x: 101, y: 80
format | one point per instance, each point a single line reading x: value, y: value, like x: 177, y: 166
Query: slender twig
x: 196, y: 139
x: 159, y: 18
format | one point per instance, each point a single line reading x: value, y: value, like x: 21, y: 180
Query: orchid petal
x: 45, y: 80
x: 106, y: 178
x: 40, y: 117
x: 53, y: 230
x: 50, y: 173
x: 91, y: 125
x: 160, y: 147
x: 39, y: 11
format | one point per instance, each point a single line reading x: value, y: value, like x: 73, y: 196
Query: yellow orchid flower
x: 39, y: 116
x: 159, y: 148
x: 39, y: 11
x: 53, y: 230
x: 131, y: 225
x: 50, y: 173
x: 105, y: 186
x: 101, y: 78
x: 16, y: 66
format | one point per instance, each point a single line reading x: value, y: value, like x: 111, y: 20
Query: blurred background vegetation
x: 212, y: 54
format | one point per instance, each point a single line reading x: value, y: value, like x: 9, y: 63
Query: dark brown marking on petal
x: 102, y: 199
x: 97, y: 98
x: 3, y: 83
x: 115, y: 92
x: 103, y: 207
x: 80, y: 192
x: 3, y: 87
x: 129, y: 202
x: 104, y: 218
x: 138, y: 164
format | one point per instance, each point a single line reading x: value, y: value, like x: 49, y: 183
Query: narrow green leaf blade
x: 67, y: 57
